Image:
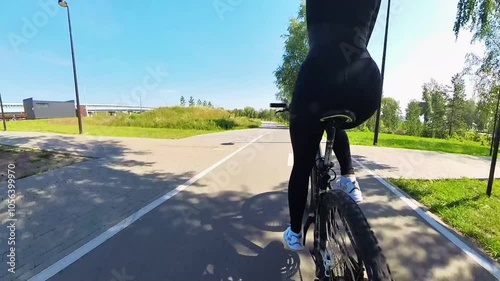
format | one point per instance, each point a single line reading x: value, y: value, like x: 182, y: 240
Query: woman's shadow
x: 232, y: 234
x: 272, y: 263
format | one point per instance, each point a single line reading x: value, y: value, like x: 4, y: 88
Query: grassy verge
x: 165, y: 123
x: 429, y: 144
x: 47, y: 126
x: 463, y: 205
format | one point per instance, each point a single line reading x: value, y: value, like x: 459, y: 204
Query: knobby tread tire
x: 368, y: 247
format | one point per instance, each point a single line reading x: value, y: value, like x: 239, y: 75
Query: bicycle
x: 323, y: 202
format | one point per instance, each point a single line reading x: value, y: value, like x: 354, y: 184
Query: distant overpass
x: 13, y: 108
x: 18, y: 108
x: 112, y: 108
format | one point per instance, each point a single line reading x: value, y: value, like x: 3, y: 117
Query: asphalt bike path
x: 226, y: 223
x: 61, y: 210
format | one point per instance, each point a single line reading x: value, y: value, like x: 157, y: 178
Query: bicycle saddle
x: 342, y: 115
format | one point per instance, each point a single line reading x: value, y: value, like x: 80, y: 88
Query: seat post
x: 330, y: 137
x: 330, y: 130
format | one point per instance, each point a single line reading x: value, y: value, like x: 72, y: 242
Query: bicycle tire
x: 313, y: 185
x: 313, y: 182
x: 369, y: 250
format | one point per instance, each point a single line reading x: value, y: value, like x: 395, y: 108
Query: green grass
x: 429, y: 144
x: 95, y: 130
x: 188, y: 118
x: 165, y: 123
x: 463, y: 205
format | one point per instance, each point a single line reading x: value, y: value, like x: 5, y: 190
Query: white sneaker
x: 293, y: 241
x: 351, y: 187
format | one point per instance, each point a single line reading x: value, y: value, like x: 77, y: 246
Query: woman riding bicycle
x: 338, y: 73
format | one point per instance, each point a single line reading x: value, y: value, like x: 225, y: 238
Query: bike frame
x: 320, y: 184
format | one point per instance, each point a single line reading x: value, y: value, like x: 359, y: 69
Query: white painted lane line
x: 486, y: 264
x: 290, y: 159
x: 94, y: 243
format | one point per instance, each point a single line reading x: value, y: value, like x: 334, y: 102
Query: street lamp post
x: 495, y: 123
x: 491, y: 178
x: 377, y: 120
x: 496, y: 141
x: 3, y: 115
x: 64, y: 4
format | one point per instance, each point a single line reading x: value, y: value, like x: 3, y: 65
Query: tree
x: 434, y: 109
x: 296, y: 49
x: 456, y: 105
x: 485, y: 70
x: 210, y: 104
x: 369, y: 125
x: 198, y: 102
x: 390, y: 113
x: 413, y: 124
x: 205, y: 103
x: 191, y: 101
x: 470, y: 117
x: 427, y: 89
x: 438, y: 117
x: 267, y: 114
x: 249, y: 112
x: 486, y: 108
x: 183, y: 101
x: 477, y: 15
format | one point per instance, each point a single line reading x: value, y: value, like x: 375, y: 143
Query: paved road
x: 221, y: 219
x: 418, y: 164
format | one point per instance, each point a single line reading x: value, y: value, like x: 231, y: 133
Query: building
x: 37, y: 109
x: 20, y: 110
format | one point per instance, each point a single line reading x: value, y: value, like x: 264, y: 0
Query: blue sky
x: 224, y: 51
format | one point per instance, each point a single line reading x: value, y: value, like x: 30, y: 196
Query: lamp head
x: 62, y: 3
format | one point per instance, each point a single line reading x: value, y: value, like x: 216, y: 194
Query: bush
x: 197, y: 118
x: 400, y: 132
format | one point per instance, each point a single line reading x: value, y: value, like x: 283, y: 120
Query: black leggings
x: 319, y: 87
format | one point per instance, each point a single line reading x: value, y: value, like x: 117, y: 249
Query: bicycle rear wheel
x: 337, y: 207
x: 313, y: 185
x: 311, y: 204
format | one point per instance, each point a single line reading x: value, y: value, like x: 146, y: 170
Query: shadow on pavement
x: 93, y: 147
x: 371, y: 164
x: 195, y: 236
x: 267, y: 211
x: 60, y: 210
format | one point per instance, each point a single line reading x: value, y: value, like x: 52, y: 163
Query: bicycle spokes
x: 346, y: 265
